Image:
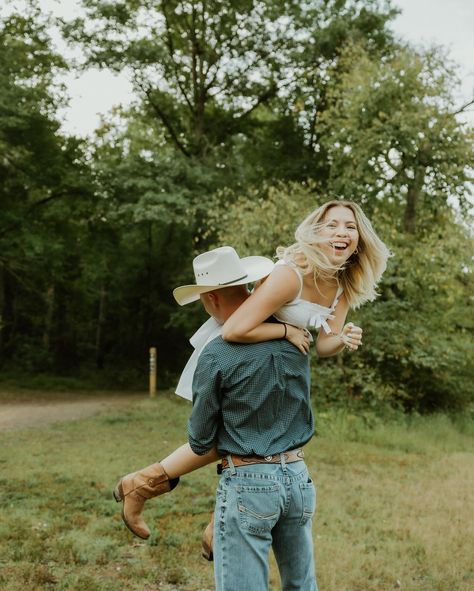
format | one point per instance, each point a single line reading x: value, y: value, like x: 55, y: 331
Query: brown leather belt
x: 294, y: 455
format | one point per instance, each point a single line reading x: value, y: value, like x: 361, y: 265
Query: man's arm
x: 204, y: 420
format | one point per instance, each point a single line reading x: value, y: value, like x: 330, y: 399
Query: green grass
x: 395, y: 504
x: 82, y: 382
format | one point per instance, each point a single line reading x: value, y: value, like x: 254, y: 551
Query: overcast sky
x: 443, y: 22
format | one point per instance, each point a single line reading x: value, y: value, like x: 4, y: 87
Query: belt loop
x: 283, y: 462
x: 233, y: 471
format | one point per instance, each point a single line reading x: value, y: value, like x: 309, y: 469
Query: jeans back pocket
x: 259, y: 507
x: 308, y: 505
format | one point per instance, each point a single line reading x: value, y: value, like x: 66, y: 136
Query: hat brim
x: 256, y: 268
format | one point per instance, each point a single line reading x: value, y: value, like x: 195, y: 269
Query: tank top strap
x: 297, y: 270
x: 338, y: 295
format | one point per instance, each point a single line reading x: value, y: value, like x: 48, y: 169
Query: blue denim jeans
x: 261, y: 506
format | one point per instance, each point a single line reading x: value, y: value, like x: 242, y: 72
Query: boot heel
x: 207, y: 553
x: 118, y: 492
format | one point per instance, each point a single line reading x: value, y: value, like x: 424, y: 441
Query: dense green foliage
x: 248, y: 115
x: 45, y: 193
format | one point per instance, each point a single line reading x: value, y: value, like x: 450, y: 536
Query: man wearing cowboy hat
x: 252, y: 403
x: 214, y: 270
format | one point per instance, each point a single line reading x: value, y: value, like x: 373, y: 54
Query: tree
x: 212, y: 72
x: 420, y: 330
x: 391, y: 133
x: 42, y: 183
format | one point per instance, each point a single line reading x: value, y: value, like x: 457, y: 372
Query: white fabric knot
x: 319, y: 321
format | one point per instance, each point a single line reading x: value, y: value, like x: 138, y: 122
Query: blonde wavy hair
x: 360, y: 274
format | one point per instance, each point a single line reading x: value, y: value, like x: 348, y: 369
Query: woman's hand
x: 351, y: 336
x: 299, y: 337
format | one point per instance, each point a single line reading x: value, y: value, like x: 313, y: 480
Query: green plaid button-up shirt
x: 250, y: 399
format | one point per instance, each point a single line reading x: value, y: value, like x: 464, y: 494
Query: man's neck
x: 228, y: 308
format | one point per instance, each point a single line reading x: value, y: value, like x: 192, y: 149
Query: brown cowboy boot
x: 135, y: 488
x: 208, y: 540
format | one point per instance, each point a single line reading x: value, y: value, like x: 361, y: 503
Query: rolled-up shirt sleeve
x: 203, y: 423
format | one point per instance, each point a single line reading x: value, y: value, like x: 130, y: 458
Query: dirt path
x: 19, y: 415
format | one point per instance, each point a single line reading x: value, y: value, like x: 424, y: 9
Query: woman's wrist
x: 339, y: 336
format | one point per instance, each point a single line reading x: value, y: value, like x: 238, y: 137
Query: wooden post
x: 152, y: 372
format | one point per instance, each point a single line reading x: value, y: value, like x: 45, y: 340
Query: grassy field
x: 395, y: 505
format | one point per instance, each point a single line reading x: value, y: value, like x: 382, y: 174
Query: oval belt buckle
x: 268, y: 458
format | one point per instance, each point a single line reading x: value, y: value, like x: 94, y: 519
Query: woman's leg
x: 154, y: 480
x: 180, y: 462
x: 183, y: 460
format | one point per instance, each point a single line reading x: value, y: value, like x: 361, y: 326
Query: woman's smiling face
x: 340, y: 234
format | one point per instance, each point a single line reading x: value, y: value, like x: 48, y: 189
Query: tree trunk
x: 48, y: 321
x: 148, y: 332
x: 2, y: 309
x: 99, y: 349
x: 413, y: 198
x: 198, y: 36
x: 65, y: 344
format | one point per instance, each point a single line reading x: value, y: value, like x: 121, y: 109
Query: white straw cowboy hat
x: 220, y: 268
